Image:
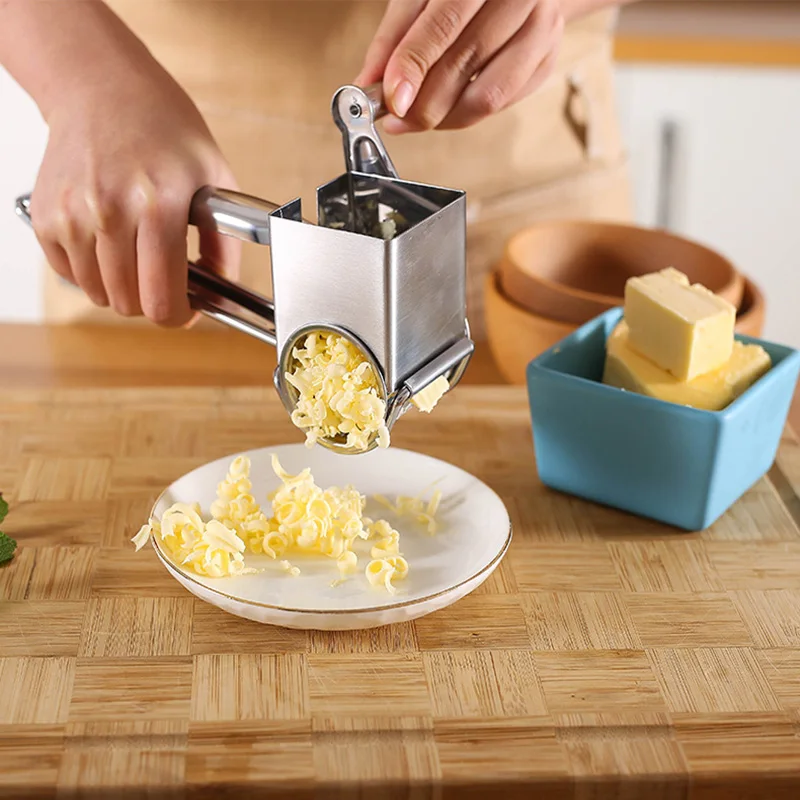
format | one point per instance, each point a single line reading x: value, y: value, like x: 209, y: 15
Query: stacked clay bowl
x: 555, y: 276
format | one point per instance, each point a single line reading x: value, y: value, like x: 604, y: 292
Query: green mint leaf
x: 7, y: 544
x: 7, y: 548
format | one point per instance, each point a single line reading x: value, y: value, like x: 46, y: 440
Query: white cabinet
x: 715, y: 154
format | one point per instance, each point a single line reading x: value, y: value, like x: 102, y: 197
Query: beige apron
x: 263, y: 73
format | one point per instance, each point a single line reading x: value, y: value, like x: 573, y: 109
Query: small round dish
x: 474, y: 535
x: 573, y: 270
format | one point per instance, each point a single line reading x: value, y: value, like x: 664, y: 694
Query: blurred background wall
x: 708, y: 94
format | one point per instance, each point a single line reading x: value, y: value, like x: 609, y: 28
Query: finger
x: 395, y: 126
x: 428, y: 39
x: 485, y: 35
x: 56, y: 257
x: 540, y: 75
x: 46, y: 229
x: 397, y: 19
x: 78, y: 240
x: 518, y: 69
x: 58, y: 261
x: 162, y: 262
x: 220, y: 254
x: 116, y: 255
x: 116, y: 249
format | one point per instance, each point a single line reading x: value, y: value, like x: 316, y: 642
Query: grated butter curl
x: 428, y: 398
x: 424, y: 513
x: 305, y: 519
x: 210, y: 549
x: 338, y: 392
x: 384, y: 571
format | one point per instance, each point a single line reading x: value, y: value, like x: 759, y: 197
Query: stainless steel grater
x: 385, y: 266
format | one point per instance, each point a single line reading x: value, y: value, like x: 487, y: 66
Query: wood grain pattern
x: 608, y: 656
x: 58, y: 356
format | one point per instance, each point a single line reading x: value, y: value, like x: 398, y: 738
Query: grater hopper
x: 384, y: 267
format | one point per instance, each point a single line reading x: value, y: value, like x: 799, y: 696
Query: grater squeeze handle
x: 242, y: 217
x: 232, y: 214
x: 203, y: 282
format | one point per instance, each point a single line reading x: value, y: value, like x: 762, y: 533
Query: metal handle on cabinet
x: 665, y: 201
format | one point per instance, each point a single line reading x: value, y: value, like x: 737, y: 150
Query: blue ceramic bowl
x: 678, y: 465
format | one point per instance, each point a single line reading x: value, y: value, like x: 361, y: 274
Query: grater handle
x: 355, y: 111
x: 375, y: 94
x: 243, y: 217
x: 203, y: 279
x: 232, y: 214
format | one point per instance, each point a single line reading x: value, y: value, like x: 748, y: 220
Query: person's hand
x: 451, y: 63
x: 111, y: 203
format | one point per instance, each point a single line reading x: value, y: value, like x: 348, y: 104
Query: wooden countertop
x: 52, y: 356
x: 607, y: 657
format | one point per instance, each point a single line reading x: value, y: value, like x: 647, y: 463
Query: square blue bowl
x: 681, y: 466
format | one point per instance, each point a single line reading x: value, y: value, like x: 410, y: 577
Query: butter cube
x: 684, y: 329
x: 627, y: 369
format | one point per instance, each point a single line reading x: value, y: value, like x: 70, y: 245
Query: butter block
x: 684, y: 329
x: 627, y: 369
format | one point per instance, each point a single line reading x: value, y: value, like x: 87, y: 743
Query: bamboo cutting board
x: 607, y: 657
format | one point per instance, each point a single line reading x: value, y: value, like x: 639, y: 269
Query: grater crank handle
x: 375, y: 94
x: 355, y: 111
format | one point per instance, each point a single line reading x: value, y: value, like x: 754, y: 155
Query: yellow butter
x: 627, y: 369
x: 337, y: 392
x: 685, y: 329
x: 427, y: 399
x: 305, y: 519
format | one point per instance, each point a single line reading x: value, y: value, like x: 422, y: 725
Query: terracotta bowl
x: 750, y: 319
x: 516, y: 336
x: 572, y: 271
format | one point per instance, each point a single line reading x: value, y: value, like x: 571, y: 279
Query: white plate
x: 474, y: 535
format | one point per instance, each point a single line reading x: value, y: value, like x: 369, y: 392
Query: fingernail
x: 192, y: 322
x: 402, y: 98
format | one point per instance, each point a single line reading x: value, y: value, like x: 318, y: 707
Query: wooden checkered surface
x: 607, y: 655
